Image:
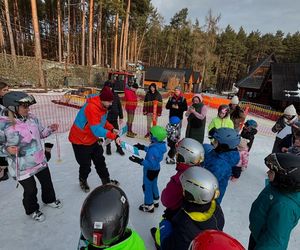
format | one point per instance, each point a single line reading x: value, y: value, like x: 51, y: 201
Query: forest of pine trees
x: 111, y: 33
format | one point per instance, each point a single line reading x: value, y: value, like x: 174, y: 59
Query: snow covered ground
x: 61, y: 228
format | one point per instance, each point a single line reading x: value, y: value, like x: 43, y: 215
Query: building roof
x: 286, y: 82
x: 153, y: 73
x: 163, y: 74
x: 254, y: 80
x: 168, y: 73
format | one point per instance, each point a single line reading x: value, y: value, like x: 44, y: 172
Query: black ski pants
x: 85, y: 154
x: 30, y: 201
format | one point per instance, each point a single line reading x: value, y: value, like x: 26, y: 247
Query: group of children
x: 194, y: 194
x: 192, y: 197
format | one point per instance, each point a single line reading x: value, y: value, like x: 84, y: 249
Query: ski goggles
x: 289, y: 117
x: 27, y: 101
x: 272, y: 163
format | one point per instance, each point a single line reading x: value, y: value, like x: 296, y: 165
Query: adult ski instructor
x: 89, y: 126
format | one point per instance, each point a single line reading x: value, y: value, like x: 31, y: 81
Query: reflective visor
x: 29, y: 100
x: 273, y: 164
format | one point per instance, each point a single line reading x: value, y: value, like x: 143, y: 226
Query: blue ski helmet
x: 174, y: 120
x: 227, y: 136
x: 251, y: 123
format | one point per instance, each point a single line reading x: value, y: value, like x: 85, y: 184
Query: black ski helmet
x: 104, y: 215
x: 287, y: 171
x: 16, y: 98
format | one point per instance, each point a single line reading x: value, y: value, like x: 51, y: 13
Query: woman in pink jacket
x: 131, y: 101
x: 20, y: 142
x: 244, y: 158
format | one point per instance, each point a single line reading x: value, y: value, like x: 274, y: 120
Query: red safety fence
x: 261, y: 110
x: 62, y: 109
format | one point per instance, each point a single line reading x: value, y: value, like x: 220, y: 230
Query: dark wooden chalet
x: 271, y: 83
x: 169, y: 78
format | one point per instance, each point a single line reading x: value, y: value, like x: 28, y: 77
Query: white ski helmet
x: 190, y: 151
x: 235, y: 100
x: 199, y: 185
x: 290, y: 110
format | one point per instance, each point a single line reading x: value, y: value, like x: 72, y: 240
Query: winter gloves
x: 136, y: 159
x: 48, y: 147
x: 139, y: 146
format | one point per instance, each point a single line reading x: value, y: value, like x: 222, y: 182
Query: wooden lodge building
x: 271, y: 83
x: 169, y: 78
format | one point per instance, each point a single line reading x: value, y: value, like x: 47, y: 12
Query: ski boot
x: 147, y: 208
x: 108, y: 149
x: 170, y: 160
x: 156, y: 203
x: 120, y: 150
x: 130, y: 134
x: 38, y: 216
x: 55, y: 204
x: 84, y: 185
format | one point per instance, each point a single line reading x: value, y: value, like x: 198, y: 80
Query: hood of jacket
x: 95, y: 99
x: 231, y: 157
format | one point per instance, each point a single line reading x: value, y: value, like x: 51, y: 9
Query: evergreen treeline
x: 115, y: 32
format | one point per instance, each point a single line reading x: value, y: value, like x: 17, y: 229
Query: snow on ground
x: 61, y: 229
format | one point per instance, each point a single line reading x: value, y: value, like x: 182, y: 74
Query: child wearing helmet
x: 221, y: 121
x: 249, y: 131
x: 215, y: 240
x: 223, y: 157
x: 151, y: 167
x: 283, y: 127
x: 189, y: 153
x: 199, y: 210
x: 22, y: 146
x: 276, y: 211
x: 173, y: 131
x: 103, y: 221
x: 244, y: 159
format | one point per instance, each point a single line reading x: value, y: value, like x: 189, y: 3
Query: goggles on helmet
x: 272, y: 163
x: 27, y: 101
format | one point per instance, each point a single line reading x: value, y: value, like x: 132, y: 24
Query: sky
x: 267, y: 16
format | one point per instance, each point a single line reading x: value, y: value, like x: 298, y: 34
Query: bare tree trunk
x: 59, y: 31
x: 166, y: 55
x: 121, y: 47
x: 69, y: 34
x: 11, y: 37
x: 135, y: 58
x: 74, y: 37
x: 19, y: 28
x: 176, y: 52
x: 15, y: 30
x: 38, y: 51
x: 116, y: 41
x: 2, y: 41
x: 100, y: 33
x: 126, y: 28
x: 106, y: 51
x: 91, y: 24
x: 83, y: 33
x: 140, y: 45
